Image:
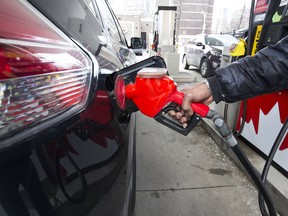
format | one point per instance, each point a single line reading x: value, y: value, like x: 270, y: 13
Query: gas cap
x: 152, y: 72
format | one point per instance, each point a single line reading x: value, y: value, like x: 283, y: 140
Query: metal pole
x: 204, y: 21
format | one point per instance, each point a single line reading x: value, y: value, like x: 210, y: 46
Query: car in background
x: 65, y: 146
x: 205, y: 52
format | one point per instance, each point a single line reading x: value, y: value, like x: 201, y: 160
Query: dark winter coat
x: 266, y: 72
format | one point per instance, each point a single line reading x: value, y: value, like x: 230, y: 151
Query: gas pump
x: 164, y: 30
x: 266, y: 114
x: 164, y: 37
x: 262, y: 121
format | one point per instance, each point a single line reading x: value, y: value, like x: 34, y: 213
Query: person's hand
x: 199, y: 93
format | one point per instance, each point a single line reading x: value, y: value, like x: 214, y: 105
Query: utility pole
x: 241, y: 17
x: 178, y: 18
x: 204, y: 21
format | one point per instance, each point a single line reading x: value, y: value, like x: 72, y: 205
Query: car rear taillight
x: 43, y: 74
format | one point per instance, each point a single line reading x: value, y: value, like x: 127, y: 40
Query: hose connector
x: 222, y: 127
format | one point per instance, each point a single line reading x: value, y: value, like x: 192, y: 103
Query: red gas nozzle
x: 152, y: 91
x: 150, y: 94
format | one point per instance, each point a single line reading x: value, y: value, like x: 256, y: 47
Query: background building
x: 192, y: 17
x: 135, y: 17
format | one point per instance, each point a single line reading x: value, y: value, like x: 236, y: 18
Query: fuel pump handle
x: 162, y: 118
x: 200, y: 111
x: 198, y: 108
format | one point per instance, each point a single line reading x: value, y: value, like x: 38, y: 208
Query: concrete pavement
x: 178, y: 175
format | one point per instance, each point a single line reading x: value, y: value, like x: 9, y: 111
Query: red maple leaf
x: 265, y: 103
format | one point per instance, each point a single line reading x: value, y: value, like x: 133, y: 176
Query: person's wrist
x: 207, y: 84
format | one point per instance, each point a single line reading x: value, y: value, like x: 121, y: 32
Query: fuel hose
x: 268, y: 163
x: 226, y: 133
x: 257, y: 180
x: 237, y: 134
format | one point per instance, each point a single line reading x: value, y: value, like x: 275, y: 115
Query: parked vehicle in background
x: 65, y: 146
x: 205, y: 52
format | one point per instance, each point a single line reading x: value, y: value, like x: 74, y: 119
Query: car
x: 205, y: 51
x: 66, y: 148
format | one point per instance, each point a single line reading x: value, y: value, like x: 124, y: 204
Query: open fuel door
x: 128, y: 75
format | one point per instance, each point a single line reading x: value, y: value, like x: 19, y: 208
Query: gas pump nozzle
x: 152, y: 93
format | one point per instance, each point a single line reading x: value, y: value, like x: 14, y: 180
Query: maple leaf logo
x: 265, y: 103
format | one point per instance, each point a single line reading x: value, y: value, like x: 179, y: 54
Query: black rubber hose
x: 268, y: 163
x: 225, y: 115
x: 237, y: 134
x: 256, y: 178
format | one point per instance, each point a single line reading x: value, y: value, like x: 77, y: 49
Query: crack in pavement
x: 185, y: 189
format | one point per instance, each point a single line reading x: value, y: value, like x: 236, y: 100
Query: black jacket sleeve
x: 266, y: 72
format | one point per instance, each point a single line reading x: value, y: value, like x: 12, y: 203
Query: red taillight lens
x: 42, y: 72
x: 120, y: 94
x: 23, y: 61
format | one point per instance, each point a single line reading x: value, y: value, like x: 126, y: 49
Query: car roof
x: 226, y: 39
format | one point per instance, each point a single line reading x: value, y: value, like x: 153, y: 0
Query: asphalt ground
x: 178, y: 175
